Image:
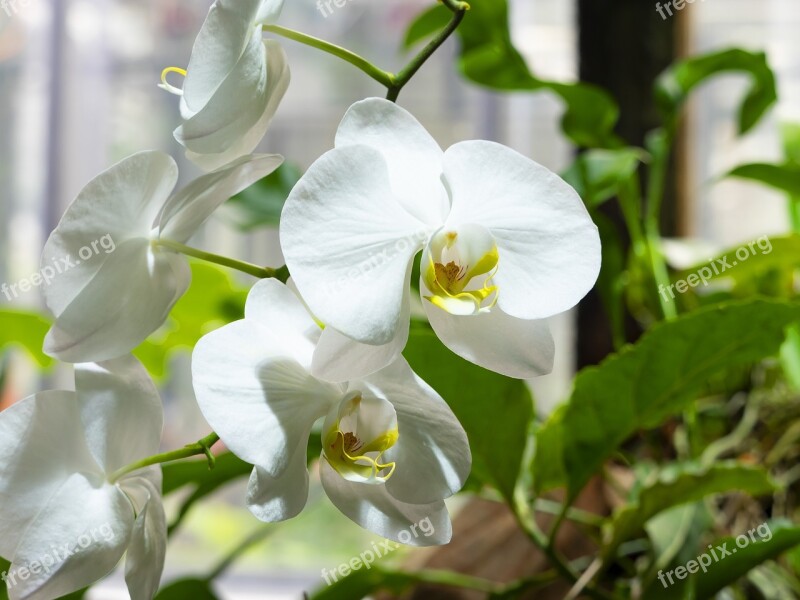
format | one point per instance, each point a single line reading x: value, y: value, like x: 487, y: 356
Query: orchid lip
x: 357, y: 433
x: 460, y: 265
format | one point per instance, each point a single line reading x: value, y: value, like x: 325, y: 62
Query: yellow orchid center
x: 459, y: 266
x: 356, y: 434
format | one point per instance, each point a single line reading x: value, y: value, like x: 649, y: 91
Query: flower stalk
x: 202, y: 446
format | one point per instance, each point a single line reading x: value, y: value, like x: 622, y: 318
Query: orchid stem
x: 200, y: 447
x: 379, y: 75
x: 281, y: 274
x: 459, y: 9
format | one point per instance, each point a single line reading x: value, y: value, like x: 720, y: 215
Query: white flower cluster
x: 505, y: 243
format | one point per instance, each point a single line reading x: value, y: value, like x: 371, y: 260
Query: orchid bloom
x: 506, y: 243
x: 234, y: 83
x: 116, y: 283
x: 65, y: 522
x: 392, y: 448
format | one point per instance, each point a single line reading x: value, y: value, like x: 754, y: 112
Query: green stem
x: 281, y: 274
x: 794, y: 213
x: 379, y: 75
x: 200, y: 447
x: 258, y: 536
x: 459, y: 9
x: 527, y: 521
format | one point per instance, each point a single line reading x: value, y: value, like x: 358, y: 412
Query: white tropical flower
x: 63, y: 523
x: 234, y: 83
x: 115, y: 284
x: 392, y: 448
x: 506, y: 244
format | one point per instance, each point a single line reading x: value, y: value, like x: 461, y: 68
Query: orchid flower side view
x: 506, y: 242
x: 58, y: 485
x: 109, y: 304
x: 392, y: 450
x: 234, y: 83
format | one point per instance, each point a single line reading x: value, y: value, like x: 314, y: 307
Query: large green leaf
x: 679, y: 484
x: 676, y: 84
x: 722, y: 573
x: 261, y: 204
x: 785, y: 178
x: 494, y: 410
x: 489, y: 58
x: 27, y: 330
x: 647, y: 382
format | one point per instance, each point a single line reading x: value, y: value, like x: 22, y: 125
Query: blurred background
x: 78, y: 93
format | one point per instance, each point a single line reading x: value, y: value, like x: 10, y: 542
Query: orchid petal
x: 413, y: 157
x: 549, y: 248
x: 374, y: 508
x: 147, y: 551
x: 127, y: 299
x: 348, y: 244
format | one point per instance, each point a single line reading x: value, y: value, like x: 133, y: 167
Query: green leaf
x: 494, y: 410
x: 213, y: 300
x: 26, y: 330
x: 790, y: 356
x: 598, y: 174
x: 426, y: 25
x: 261, y: 204
x: 679, y: 484
x: 4, y: 567
x: 675, y: 85
x: 647, y: 382
x: 196, y: 589
x: 489, y: 58
x: 785, y: 178
x: 790, y: 134
x: 784, y: 536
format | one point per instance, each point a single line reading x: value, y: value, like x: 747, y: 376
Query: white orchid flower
x: 392, y: 448
x: 64, y: 522
x: 115, y: 284
x: 506, y: 244
x: 234, y: 83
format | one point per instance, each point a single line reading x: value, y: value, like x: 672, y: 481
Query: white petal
x: 549, y: 247
x: 126, y: 300
x: 278, y: 78
x: 144, y: 562
x: 432, y: 453
x: 92, y: 520
x: 236, y: 118
x: 339, y: 358
x: 187, y: 210
x: 119, y: 204
x: 372, y: 507
x: 412, y: 155
x: 348, y: 244
x: 226, y: 32
x: 254, y: 393
x: 274, y: 306
x: 120, y: 410
x: 272, y: 499
x: 42, y: 444
x: 496, y: 341
x: 270, y: 11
